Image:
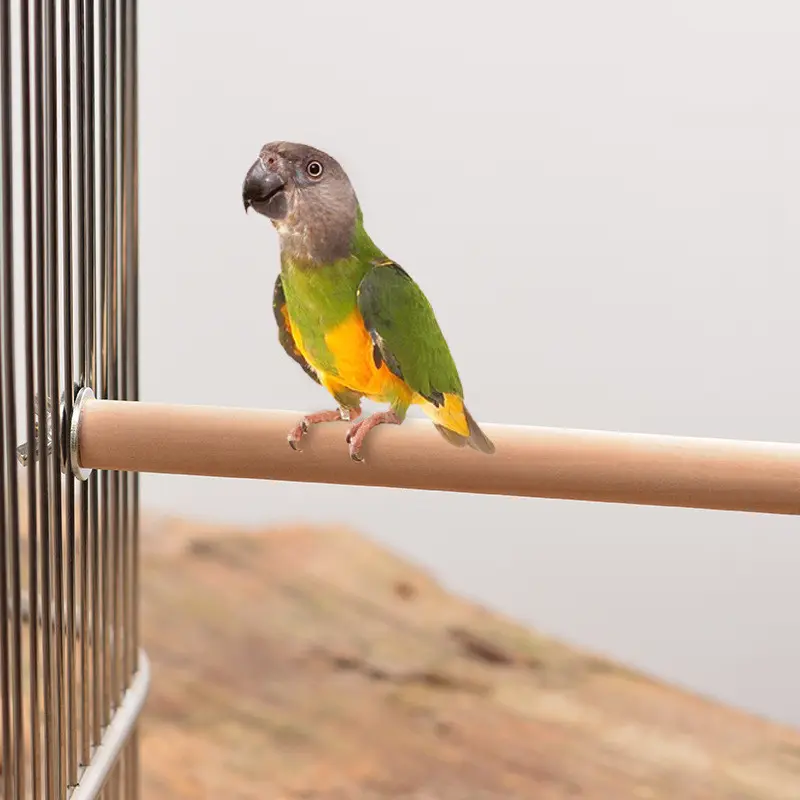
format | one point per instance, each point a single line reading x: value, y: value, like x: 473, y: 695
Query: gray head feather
x: 317, y: 212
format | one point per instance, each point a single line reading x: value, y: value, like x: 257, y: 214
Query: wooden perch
x: 642, y: 469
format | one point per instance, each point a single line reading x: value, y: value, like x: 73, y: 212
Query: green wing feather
x: 405, y: 332
x: 284, y: 331
x: 408, y: 339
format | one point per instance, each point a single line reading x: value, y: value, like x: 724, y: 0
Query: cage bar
x: 72, y: 676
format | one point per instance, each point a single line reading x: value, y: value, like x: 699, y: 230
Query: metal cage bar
x: 72, y: 676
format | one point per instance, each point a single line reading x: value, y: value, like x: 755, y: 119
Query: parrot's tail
x: 476, y: 439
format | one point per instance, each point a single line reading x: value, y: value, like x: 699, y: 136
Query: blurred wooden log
x: 310, y: 663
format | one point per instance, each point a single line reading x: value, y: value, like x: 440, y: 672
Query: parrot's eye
x: 314, y: 169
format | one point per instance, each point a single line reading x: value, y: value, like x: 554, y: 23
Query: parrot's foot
x: 356, y: 435
x: 340, y: 414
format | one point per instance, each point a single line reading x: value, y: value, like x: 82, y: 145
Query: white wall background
x: 602, y: 201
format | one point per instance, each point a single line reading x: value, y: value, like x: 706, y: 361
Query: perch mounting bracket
x: 69, y: 430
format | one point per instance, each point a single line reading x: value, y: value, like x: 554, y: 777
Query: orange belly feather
x: 352, y: 349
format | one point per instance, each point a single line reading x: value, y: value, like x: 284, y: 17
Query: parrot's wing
x: 408, y: 339
x: 285, y: 332
x: 405, y: 333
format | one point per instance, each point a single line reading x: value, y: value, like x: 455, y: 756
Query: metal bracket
x: 69, y: 429
x: 24, y: 450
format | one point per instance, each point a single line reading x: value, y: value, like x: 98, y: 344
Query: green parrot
x: 352, y: 318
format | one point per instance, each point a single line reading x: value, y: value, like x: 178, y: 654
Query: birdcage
x: 74, y: 435
x: 72, y: 679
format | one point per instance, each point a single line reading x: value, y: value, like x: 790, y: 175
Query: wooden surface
x: 310, y: 663
x: 529, y: 462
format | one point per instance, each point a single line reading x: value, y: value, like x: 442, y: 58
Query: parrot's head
x: 308, y: 197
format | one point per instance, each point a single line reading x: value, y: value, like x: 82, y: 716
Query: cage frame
x: 69, y: 241
x: 87, y: 435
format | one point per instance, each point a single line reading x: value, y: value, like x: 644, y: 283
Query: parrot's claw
x: 302, y: 427
x: 357, y: 457
x: 296, y: 434
x: 353, y: 431
x: 358, y: 432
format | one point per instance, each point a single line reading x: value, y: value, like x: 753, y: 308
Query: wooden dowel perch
x: 599, y: 466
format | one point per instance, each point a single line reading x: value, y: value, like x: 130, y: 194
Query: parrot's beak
x: 262, y: 189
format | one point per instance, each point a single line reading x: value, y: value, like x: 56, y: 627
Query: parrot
x: 351, y: 317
